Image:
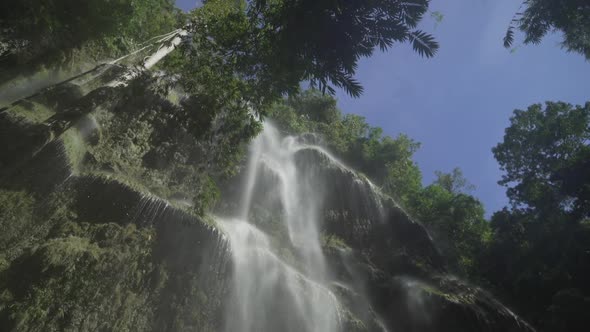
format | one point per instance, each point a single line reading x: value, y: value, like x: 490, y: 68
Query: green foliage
x: 385, y: 160
x: 532, y: 259
x: 458, y: 224
x: 30, y: 112
x: 457, y: 219
x: 404, y: 180
x: 539, y: 17
x: 334, y: 242
x: 174, y: 150
x: 206, y: 196
x: 50, y: 32
x: 59, y: 272
x: 283, y: 42
x: 539, y: 249
x: 453, y: 182
x: 68, y: 274
x: 16, y: 216
x: 87, y: 277
x: 543, y: 154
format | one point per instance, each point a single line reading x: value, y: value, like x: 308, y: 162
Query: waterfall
x: 269, y: 294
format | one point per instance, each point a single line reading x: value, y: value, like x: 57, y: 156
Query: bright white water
x: 268, y: 294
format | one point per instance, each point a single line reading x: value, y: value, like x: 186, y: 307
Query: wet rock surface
x: 98, y: 235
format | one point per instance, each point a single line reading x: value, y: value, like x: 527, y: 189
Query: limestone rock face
x: 392, y: 260
x: 94, y: 238
x: 103, y: 229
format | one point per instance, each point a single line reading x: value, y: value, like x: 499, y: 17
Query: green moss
x: 433, y: 290
x: 62, y: 252
x: 174, y: 96
x: 4, y: 263
x: 351, y: 322
x: 16, y: 220
x: 210, y: 221
x: 77, y: 268
x: 128, y: 181
x: 127, y: 139
x: 333, y: 242
x: 31, y: 112
x: 462, y: 297
x: 89, y: 277
x: 206, y: 196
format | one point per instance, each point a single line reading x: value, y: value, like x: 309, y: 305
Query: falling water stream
x: 267, y: 293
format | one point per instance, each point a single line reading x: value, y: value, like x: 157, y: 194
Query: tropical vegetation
x: 246, y: 60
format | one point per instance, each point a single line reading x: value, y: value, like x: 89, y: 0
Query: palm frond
x: 352, y: 87
x: 347, y: 82
x: 411, y: 12
x: 509, y: 37
x: 423, y: 43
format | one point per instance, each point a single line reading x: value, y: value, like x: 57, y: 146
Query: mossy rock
x: 441, y: 304
x: 79, y: 282
x: 29, y: 112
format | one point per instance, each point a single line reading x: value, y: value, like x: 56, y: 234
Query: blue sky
x: 458, y: 103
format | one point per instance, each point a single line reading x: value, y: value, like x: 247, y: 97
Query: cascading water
x: 267, y: 293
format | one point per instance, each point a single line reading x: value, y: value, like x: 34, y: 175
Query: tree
x: 386, y: 160
x: 457, y: 223
x: 36, y: 33
x: 571, y: 17
x: 403, y: 179
x: 453, y: 182
x: 532, y: 259
x: 544, y: 154
x: 539, y: 252
x: 315, y: 107
x: 455, y: 218
x: 286, y: 41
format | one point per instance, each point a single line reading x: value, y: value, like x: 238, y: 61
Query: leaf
x: 423, y: 43
x: 352, y: 87
x: 411, y: 11
x: 347, y: 82
x: 509, y: 37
